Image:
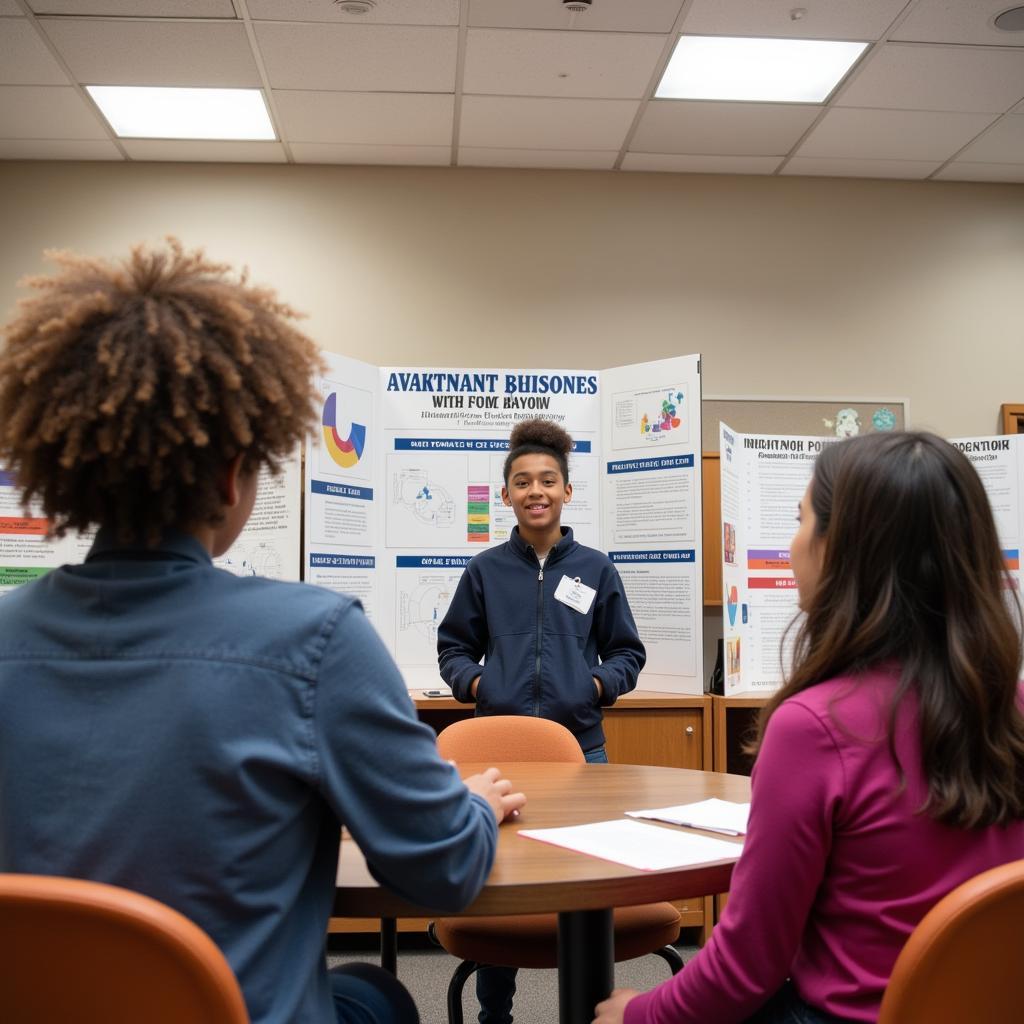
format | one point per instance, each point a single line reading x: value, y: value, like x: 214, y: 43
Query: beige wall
x: 788, y: 286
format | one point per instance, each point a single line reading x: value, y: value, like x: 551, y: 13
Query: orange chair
x: 531, y: 940
x: 963, y: 961
x: 81, y: 951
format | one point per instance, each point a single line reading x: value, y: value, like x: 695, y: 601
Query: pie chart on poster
x: 731, y: 604
x: 347, y: 451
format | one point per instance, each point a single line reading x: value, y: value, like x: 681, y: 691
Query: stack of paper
x: 644, y: 847
x: 712, y: 815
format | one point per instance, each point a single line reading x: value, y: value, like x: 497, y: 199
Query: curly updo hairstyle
x: 125, y: 388
x: 541, y: 437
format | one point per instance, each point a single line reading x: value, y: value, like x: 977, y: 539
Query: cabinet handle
x: 689, y: 730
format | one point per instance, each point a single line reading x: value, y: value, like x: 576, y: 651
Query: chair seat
x: 531, y: 940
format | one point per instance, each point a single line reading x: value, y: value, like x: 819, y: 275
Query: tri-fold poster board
x: 763, y: 478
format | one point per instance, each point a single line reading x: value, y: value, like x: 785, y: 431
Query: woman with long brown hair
x: 890, y: 767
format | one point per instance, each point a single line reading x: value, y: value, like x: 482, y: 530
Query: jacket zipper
x: 540, y: 636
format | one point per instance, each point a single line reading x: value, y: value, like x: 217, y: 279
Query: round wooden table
x: 531, y: 877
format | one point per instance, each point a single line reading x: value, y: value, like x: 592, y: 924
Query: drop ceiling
x: 939, y: 93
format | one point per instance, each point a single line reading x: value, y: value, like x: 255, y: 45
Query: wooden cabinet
x: 734, y: 721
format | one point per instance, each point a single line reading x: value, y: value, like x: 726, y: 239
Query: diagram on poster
x: 424, y: 509
x: 424, y: 589
x: 650, y: 417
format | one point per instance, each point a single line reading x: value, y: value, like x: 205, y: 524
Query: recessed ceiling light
x: 151, y: 112
x: 758, y: 70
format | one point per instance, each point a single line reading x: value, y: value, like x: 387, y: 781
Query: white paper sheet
x: 712, y: 815
x: 645, y: 847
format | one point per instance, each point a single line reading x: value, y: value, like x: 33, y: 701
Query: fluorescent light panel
x: 758, y: 70
x: 148, y: 112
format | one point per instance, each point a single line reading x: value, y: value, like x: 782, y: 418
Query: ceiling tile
x: 319, y: 153
x: 366, y: 118
x: 506, y: 122
x: 1003, y: 143
x: 700, y: 164
x: 136, y: 8
x: 567, y: 159
x: 892, y: 134
x: 957, y: 21
x: 708, y: 129
x: 608, y: 65
x: 822, y: 19
x: 9, y: 7
x: 24, y: 58
x: 843, y: 167
x: 58, y: 149
x: 360, y: 58
x: 914, y: 77
x: 964, y: 170
x: 392, y: 12
x: 47, y: 112
x: 219, y: 152
x: 634, y: 16
x: 112, y: 52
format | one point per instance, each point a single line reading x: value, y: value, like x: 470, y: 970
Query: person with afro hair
x: 549, y: 617
x: 166, y: 726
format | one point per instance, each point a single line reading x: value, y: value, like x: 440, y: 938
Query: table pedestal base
x: 586, y: 963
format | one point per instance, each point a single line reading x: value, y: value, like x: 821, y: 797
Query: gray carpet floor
x: 426, y: 973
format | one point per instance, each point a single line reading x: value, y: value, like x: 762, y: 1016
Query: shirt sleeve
x: 618, y: 641
x: 462, y: 636
x: 423, y: 834
x: 797, y: 786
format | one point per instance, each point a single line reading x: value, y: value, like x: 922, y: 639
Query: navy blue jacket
x: 541, y: 654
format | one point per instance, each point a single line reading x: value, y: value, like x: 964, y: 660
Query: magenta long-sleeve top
x: 838, y: 867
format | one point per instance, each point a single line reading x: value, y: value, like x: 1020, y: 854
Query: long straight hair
x: 912, y: 571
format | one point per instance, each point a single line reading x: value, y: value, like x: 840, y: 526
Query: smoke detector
x: 1011, y: 20
x: 356, y: 6
x: 577, y: 6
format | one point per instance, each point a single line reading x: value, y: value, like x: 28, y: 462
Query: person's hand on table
x: 613, y: 1009
x: 497, y: 791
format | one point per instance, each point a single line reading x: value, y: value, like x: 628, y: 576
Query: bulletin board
x: 810, y: 417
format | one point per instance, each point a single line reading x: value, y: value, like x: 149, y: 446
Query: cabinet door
x: 673, y: 737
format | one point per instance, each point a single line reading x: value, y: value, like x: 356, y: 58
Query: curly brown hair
x: 125, y: 388
x: 540, y: 436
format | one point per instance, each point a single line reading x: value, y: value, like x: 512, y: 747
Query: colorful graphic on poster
x: 668, y: 418
x: 347, y: 451
x: 647, y: 417
x: 478, y: 514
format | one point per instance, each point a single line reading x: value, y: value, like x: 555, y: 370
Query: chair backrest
x: 72, y: 950
x: 508, y: 738
x: 963, y: 961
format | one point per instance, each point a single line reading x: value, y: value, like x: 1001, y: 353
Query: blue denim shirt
x: 200, y: 738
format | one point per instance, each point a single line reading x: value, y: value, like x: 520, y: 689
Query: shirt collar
x: 174, y: 545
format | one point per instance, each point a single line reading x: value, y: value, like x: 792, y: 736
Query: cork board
x: 813, y: 417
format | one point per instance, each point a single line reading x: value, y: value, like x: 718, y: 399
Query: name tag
x: 576, y: 595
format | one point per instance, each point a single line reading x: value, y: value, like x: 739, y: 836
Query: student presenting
x: 551, y: 619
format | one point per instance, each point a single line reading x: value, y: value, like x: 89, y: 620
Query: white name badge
x: 576, y: 595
